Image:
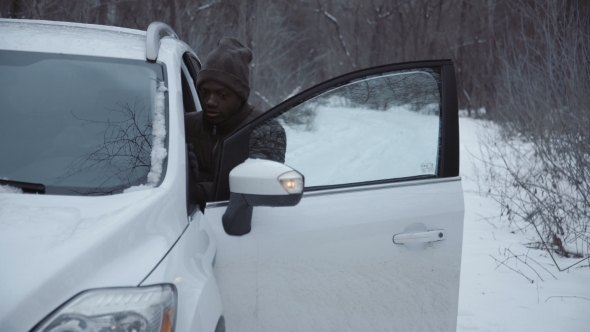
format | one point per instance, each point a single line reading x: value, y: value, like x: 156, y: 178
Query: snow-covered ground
x: 494, y: 297
x: 354, y: 139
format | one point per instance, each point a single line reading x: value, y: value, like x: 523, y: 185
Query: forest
x: 524, y: 64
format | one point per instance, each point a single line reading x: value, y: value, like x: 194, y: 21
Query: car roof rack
x: 152, y: 41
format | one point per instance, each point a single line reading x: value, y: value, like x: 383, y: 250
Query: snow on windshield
x: 9, y: 190
x: 159, y: 152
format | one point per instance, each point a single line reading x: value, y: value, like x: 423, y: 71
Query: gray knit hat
x: 228, y: 65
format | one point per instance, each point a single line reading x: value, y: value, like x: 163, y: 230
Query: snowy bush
x: 540, y: 172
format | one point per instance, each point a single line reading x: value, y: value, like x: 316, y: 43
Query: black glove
x: 193, y: 163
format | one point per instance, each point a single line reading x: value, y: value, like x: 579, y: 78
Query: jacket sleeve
x: 268, y: 141
x: 203, y: 193
x: 200, y: 184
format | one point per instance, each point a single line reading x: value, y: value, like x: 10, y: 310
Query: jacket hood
x: 228, y: 64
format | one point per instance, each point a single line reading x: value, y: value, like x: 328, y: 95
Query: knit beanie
x: 228, y: 65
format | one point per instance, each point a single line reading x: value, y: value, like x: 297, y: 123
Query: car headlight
x: 136, y: 309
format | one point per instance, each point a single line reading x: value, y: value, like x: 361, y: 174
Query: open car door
x: 375, y: 242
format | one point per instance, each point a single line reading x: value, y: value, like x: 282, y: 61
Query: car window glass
x: 376, y: 128
x: 79, y: 125
x: 190, y: 98
x: 196, y: 64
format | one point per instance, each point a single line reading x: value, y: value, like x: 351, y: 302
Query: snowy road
x: 497, y: 298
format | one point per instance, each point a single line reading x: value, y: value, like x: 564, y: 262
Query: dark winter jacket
x: 267, y: 141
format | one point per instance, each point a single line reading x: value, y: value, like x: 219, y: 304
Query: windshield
x: 79, y: 125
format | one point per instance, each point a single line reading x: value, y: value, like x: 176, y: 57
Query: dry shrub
x: 540, y: 172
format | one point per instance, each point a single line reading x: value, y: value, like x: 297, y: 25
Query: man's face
x: 219, y: 102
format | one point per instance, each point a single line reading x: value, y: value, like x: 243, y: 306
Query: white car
x: 360, y: 229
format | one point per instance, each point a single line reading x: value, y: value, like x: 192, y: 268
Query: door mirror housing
x: 266, y: 183
x: 259, y: 182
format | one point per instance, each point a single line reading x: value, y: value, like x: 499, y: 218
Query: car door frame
x: 234, y: 149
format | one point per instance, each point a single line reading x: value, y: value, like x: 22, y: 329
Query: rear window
x: 81, y: 125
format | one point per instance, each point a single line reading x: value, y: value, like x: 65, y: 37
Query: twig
x: 577, y: 297
x: 580, y: 261
x: 517, y: 271
x: 538, y: 292
x: 518, y: 258
x: 549, y: 251
x: 543, y: 268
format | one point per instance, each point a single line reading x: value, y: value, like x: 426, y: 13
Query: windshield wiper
x: 26, y: 187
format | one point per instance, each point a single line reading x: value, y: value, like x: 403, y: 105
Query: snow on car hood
x: 53, y: 247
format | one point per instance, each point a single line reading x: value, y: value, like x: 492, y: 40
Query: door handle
x: 422, y: 237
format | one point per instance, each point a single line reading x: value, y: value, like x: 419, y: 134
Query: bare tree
x: 300, y: 43
x: 525, y: 61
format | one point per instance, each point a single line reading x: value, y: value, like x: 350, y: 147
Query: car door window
x: 189, y: 92
x: 380, y: 127
x: 384, y: 124
x: 190, y: 67
x: 191, y: 103
x: 192, y: 63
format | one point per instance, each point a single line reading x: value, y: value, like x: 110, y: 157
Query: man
x: 223, y: 85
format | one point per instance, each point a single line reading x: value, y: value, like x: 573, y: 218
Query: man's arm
x: 268, y: 141
x: 200, y: 184
x: 200, y: 190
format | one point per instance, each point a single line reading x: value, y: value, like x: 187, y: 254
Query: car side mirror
x: 259, y: 182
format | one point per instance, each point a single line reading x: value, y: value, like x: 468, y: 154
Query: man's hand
x: 193, y: 163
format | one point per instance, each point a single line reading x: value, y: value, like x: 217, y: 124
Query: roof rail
x: 152, y: 41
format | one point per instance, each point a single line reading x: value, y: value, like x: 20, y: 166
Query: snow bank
x: 9, y: 190
x: 501, y: 297
x: 159, y: 152
x: 387, y: 144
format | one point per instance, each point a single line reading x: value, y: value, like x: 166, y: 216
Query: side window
x: 191, y: 103
x: 196, y: 65
x: 189, y: 91
x: 382, y: 127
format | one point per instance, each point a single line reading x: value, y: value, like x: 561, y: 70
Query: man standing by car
x: 223, y: 85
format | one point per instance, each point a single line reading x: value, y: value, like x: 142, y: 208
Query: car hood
x: 53, y: 247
